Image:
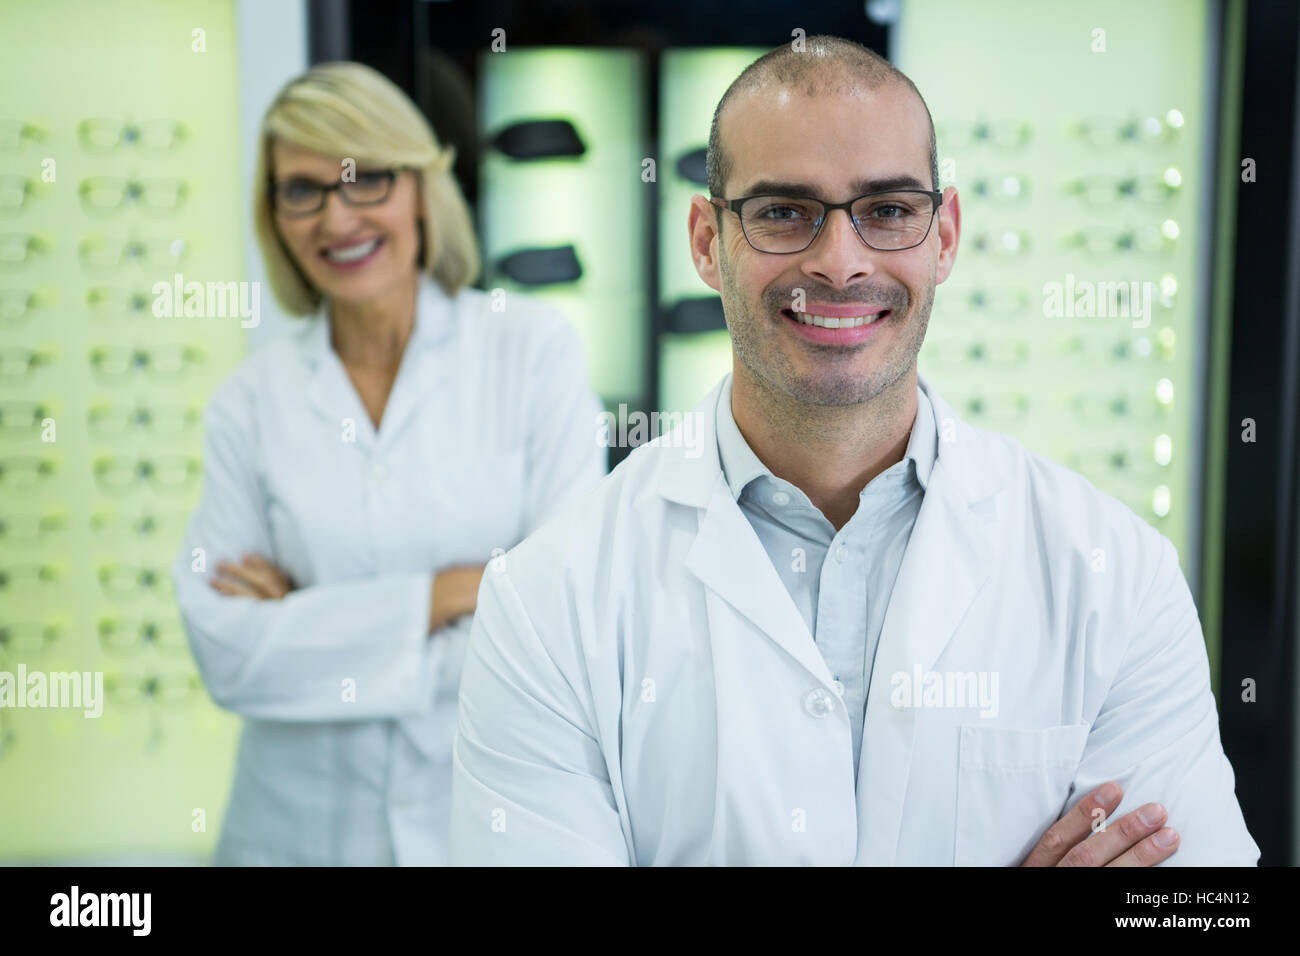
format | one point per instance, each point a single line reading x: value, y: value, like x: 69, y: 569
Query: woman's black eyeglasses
x: 303, y: 197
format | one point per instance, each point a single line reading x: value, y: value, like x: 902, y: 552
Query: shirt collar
x: 740, y: 465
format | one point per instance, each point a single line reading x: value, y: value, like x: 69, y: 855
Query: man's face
x: 837, y: 147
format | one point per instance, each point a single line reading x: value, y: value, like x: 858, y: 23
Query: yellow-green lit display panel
x: 692, y: 82
x: 1078, y: 162
x: 99, y: 412
x: 595, y: 202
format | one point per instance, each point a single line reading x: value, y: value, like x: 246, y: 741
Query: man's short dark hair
x: 825, y: 64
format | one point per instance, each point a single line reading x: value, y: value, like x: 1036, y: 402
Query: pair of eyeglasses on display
x: 16, y: 134
x: 1124, y: 349
x: 305, y: 197
x: 1004, y: 244
x: 107, y: 136
x: 23, y: 420
x: 21, y: 642
x: 129, y: 636
x: 21, y: 473
x: 29, y: 529
x: 1150, y: 188
x: 19, y: 581
x: 1003, y: 135
x: 1000, y: 407
x: 126, y: 582
x: 1123, y: 406
x: 107, y: 253
x: 20, y: 249
x: 148, y: 525
x: 25, y: 640
x: 17, y: 192
x: 17, y: 306
x: 156, y: 692
x: 115, y: 364
x: 997, y: 301
x: 1151, y: 129
x: 106, y: 420
x: 1135, y: 457
x: 17, y: 363
x: 1006, y: 189
x: 892, y: 221
x: 1124, y: 240
x: 167, y: 474
x: 113, y: 302
x: 109, y: 195
x: 991, y: 351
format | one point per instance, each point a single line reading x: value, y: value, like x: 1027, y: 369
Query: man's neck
x: 830, y: 453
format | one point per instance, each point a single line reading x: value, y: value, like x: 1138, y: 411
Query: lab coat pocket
x: 1011, y: 786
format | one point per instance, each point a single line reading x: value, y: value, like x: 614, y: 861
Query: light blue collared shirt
x: 843, y: 601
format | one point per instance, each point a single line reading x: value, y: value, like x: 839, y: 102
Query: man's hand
x: 253, y: 577
x: 1129, y: 841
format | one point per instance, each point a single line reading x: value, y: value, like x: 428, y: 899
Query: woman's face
x: 350, y: 253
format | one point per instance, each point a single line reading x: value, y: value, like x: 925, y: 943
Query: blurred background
x: 1149, y: 151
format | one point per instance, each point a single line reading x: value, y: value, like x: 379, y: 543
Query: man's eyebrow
x: 775, y: 187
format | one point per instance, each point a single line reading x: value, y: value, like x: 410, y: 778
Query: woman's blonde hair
x: 351, y: 111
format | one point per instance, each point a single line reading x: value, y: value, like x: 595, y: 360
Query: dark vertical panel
x: 329, y: 30
x: 1259, y: 600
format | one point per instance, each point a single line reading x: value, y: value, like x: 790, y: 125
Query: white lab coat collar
x: 947, y: 561
x: 690, y: 480
x: 331, y: 393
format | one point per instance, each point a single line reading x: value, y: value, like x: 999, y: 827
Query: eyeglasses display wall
x: 1070, y: 319
x: 564, y: 203
x: 119, y: 170
x: 694, y: 348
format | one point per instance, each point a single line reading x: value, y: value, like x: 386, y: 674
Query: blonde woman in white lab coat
x: 359, y: 474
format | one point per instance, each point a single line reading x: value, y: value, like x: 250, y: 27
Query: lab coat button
x: 780, y: 498
x: 819, y: 703
x: 839, y: 687
x: 379, y: 472
x: 841, y: 553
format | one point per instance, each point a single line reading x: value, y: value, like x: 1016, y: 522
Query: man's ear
x: 949, y: 225
x: 702, y: 226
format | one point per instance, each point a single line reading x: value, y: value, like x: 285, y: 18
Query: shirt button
x: 839, y: 687
x: 841, y: 553
x: 780, y: 498
x: 819, y: 702
x: 379, y: 472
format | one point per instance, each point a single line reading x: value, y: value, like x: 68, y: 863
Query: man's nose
x: 838, y: 255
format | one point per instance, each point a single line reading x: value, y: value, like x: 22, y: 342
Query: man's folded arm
x: 530, y: 785
x: 1157, y: 733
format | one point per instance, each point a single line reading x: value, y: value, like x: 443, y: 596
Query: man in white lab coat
x: 845, y: 626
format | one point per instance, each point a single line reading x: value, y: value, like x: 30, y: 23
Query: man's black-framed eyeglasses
x: 303, y: 197
x: 888, y: 221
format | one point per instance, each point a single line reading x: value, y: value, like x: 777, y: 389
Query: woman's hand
x: 455, y: 592
x: 253, y: 577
